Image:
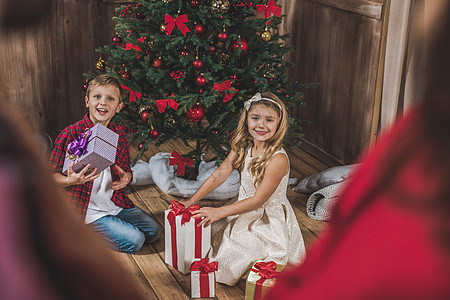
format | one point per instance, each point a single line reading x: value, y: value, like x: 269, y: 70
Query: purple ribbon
x: 78, y: 146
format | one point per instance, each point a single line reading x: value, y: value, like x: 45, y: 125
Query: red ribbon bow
x: 133, y: 94
x: 268, y: 9
x: 129, y: 46
x: 204, y: 266
x: 171, y: 22
x: 266, y: 270
x: 177, y: 159
x: 162, y: 104
x: 225, y: 87
x: 179, y: 209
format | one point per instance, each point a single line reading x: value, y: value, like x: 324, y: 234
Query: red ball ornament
x: 198, y: 64
x: 222, y: 36
x: 194, y: 3
x: 140, y: 146
x: 154, y: 134
x: 85, y: 86
x: 184, y: 52
x: 200, y: 80
x: 242, y: 44
x: 196, y: 113
x: 233, y: 77
x: 199, y: 29
x: 146, y: 115
x: 117, y: 40
x: 157, y: 63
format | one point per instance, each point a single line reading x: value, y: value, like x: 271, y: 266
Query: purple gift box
x: 97, y: 147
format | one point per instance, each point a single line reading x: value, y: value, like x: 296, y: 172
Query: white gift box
x: 203, y: 280
x: 184, y: 243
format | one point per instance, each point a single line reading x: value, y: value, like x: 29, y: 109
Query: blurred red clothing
x: 382, y: 243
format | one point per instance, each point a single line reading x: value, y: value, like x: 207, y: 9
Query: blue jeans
x: 127, y: 231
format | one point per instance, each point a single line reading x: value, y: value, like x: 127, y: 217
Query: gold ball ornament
x: 266, y: 36
x: 100, y: 65
x: 162, y: 27
x: 167, y: 1
x: 220, y: 6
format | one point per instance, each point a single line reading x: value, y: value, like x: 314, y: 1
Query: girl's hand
x: 80, y: 178
x: 209, y: 215
x: 186, y: 203
x: 124, y: 179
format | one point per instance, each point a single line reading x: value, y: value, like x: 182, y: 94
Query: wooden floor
x: 160, y: 281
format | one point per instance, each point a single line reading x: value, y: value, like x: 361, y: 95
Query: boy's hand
x: 80, y: 178
x: 124, y: 179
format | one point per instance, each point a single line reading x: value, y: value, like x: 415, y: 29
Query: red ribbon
x: 186, y: 214
x: 162, y: 104
x: 267, y: 270
x: 179, y: 209
x: 133, y: 94
x: 268, y: 9
x: 171, y: 22
x: 225, y: 87
x: 177, y: 159
x: 205, y: 267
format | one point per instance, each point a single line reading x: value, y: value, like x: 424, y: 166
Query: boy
x: 101, y: 201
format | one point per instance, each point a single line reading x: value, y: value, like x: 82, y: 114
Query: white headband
x: 257, y: 98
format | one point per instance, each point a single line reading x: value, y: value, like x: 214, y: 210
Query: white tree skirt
x: 157, y: 171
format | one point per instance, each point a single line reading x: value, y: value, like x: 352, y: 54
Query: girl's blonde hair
x: 243, y: 141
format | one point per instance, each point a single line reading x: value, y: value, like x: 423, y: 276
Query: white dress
x: 270, y: 232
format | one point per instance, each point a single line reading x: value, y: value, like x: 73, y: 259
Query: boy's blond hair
x: 105, y: 80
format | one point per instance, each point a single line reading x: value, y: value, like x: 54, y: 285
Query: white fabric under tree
x: 158, y: 171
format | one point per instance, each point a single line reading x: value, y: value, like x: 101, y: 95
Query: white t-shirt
x: 100, y: 204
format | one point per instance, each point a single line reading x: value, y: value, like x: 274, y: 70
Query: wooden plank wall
x: 337, y: 44
x: 43, y: 63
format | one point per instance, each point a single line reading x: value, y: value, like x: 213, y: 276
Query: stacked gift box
x: 186, y: 247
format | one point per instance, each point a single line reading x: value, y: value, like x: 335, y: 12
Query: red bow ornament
x: 179, y: 209
x: 226, y: 87
x: 179, y: 22
x: 269, y: 9
x: 129, y: 46
x: 162, y: 104
x: 134, y: 96
x: 177, y: 159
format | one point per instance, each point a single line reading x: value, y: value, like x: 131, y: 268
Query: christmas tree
x: 188, y: 67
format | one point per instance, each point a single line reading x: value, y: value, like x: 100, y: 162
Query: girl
x: 261, y: 224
